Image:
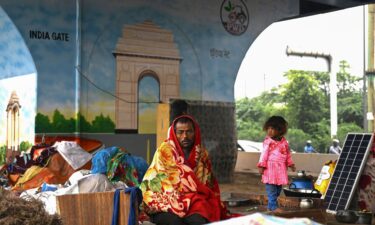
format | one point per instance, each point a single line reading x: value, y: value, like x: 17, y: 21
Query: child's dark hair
x: 278, y: 123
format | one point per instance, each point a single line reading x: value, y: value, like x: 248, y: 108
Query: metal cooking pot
x: 301, y: 173
x: 301, y: 181
x: 306, y: 203
x: 364, y: 217
x: 346, y: 216
x: 301, y: 192
x: 232, y: 202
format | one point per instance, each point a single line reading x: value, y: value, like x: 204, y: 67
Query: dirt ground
x: 244, y: 183
x: 250, y: 183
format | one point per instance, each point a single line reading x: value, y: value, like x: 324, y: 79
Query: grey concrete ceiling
x: 311, y: 7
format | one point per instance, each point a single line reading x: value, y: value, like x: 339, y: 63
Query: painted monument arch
x: 143, y: 49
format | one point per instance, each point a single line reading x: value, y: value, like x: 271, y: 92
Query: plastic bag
x: 321, y: 184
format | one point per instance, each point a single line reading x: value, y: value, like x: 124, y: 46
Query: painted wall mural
x: 103, y: 66
x: 73, y: 48
x: 210, y: 54
x: 17, y: 90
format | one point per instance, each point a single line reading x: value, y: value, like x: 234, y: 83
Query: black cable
x: 107, y: 92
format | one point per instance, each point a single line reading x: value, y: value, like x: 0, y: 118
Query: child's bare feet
x: 278, y: 210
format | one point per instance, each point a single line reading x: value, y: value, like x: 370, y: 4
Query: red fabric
x: 197, y: 141
x: 207, y: 200
x: 366, y: 184
x: 183, y: 187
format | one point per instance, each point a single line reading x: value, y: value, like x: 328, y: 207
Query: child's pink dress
x: 275, y: 158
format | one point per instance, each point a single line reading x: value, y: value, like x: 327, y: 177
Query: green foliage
x: 304, y: 102
x: 323, y: 80
x: 84, y: 125
x: 42, y: 123
x: 102, y: 124
x: 303, y: 99
x: 346, y: 128
x: 229, y: 7
x: 297, y: 139
x: 320, y: 135
x: 252, y: 113
x: 346, y: 83
x: 349, y: 109
x: 59, y: 124
x: 25, y: 145
x: 349, y: 97
x: 3, y: 150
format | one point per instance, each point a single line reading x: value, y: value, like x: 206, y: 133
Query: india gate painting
x: 17, y: 115
x: 13, y: 125
x: 144, y: 50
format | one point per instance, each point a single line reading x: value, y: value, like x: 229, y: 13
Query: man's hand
x: 261, y: 170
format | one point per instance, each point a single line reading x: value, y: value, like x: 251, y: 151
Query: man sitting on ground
x: 179, y: 187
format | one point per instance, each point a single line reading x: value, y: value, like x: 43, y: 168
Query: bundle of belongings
x: 63, y: 168
x: 52, y: 164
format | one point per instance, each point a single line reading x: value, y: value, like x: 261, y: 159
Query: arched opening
x: 148, y: 99
x: 297, y: 86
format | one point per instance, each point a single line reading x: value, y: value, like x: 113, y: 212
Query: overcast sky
x: 339, y: 34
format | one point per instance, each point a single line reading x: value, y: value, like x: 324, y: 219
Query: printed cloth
x: 28, y: 175
x: 183, y: 187
x: 127, y: 168
x: 39, y: 156
x: 119, y: 165
x: 275, y: 158
x: 101, y: 158
x: 366, y: 185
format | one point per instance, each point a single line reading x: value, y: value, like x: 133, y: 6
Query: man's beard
x: 187, y: 145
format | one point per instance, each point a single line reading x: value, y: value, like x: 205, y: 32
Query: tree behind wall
x: 304, y: 102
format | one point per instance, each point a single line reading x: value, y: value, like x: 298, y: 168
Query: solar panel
x: 347, y: 172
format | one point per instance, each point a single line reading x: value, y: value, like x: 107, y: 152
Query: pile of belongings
x: 65, y: 168
x: 44, y: 163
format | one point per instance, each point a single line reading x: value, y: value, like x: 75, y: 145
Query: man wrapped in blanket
x: 179, y: 187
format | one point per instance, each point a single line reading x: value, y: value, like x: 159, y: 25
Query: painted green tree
x: 60, y: 124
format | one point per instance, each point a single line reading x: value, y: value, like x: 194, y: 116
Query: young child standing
x: 275, y: 159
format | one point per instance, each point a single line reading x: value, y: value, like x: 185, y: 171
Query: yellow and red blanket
x: 183, y: 187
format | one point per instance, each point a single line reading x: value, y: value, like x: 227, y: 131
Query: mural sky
x: 17, y: 74
x: 72, y: 43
